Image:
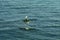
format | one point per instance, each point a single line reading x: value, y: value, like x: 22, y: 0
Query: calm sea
x: 44, y: 16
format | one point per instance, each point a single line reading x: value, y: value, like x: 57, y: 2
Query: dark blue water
x: 44, y: 15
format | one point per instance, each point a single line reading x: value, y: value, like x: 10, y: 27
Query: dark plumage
x: 26, y: 20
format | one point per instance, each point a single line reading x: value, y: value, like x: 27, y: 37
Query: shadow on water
x: 20, y: 8
x: 1, y: 20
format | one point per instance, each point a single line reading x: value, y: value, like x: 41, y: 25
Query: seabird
x: 26, y: 20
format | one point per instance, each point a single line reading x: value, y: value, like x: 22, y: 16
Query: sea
x: 44, y: 16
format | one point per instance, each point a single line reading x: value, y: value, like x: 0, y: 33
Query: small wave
x: 8, y: 28
x: 1, y: 19
x: 20, y: 8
